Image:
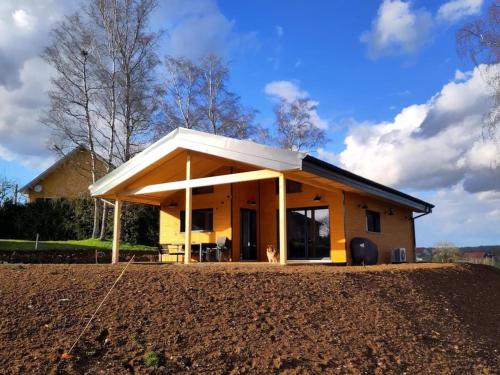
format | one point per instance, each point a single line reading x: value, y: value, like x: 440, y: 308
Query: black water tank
x: 363, y: 251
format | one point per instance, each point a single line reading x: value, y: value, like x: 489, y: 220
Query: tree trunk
x: 96, y: 218
x: 103, y: 221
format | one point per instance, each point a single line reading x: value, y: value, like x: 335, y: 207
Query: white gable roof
x: 251, y: 153
x: 228, y: 148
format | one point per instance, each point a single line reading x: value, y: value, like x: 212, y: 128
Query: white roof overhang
x: 246, y: 152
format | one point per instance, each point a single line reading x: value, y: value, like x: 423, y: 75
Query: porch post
x: 282, y: 219
x: 188, y: 214
x: 117, y: 224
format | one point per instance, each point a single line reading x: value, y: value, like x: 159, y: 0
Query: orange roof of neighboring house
x: 474, y: 254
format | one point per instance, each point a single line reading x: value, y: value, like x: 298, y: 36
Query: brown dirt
x: 83, y: 256
x: 415, y: 319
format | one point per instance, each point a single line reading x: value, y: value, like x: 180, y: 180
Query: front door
x: 248, y: 234
x: 308, y: 232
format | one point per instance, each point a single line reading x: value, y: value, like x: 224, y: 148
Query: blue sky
x: 398, y: 105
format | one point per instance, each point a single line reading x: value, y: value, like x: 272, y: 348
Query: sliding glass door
x: 308, y: 232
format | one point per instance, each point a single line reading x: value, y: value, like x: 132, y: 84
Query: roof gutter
x: 323, y: 169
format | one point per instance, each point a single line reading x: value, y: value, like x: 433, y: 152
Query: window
x: 203, y: 190
x: 372, y: 221
x: 291, y: 187
x: 202, y: 220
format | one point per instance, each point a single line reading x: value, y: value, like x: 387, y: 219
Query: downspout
x: 427, y: 212
x: 346, y: 245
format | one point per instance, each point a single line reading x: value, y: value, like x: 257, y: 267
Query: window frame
x: 201, y: 190
x: 375, y: 226
x: 182, y: 220
x: 292, y: 186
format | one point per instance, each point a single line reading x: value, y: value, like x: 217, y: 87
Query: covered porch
x: 204, y: 198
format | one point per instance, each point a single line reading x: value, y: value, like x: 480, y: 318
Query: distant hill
x: 493, y: 249
x: 425, y: 253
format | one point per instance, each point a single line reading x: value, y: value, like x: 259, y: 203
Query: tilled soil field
x: 414, y: 319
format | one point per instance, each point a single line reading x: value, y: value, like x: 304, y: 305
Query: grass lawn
x: 90, y: 244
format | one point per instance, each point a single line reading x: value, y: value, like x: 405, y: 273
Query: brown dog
x: 272, y: 254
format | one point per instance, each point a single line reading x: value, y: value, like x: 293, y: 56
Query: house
x: 479, y: 257
x: 69, y: 177
x: 209, y: 186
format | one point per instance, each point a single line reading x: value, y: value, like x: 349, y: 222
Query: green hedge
x: 56, y: 220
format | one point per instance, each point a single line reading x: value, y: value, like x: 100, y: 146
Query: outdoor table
x: 179, y: 251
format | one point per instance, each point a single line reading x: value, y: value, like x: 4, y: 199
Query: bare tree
x: 137, y: 61
x: 479, y: 42
x: 7, y: 190
x: 445, y: 252
x: 71, y: 112
x: 181, y: 106
x: 126, y: 61
x: 295, y: 127
x: 197, y: 97
x: 104, y: 14
x: 103, y: 95
x: 222, y: 111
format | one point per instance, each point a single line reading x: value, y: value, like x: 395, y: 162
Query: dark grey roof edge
x: 327, y: 170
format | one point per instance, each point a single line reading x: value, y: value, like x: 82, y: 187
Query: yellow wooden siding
x: 269, y: 207
x: 219, y: 201
x: 263, y: 193
x: 70, y: 180
x: 346, y: 221
x: 396, y: 229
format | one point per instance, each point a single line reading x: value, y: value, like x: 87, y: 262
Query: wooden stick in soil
x: 67, y: 354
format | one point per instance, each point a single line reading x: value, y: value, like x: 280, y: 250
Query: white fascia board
x: 242, y: 151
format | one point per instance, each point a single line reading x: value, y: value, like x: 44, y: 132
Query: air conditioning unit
x: 399, y: 255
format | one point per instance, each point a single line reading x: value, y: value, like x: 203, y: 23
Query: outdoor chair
x: 222, y: 245
x: 161, y: 251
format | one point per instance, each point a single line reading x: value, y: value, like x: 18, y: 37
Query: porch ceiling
x: 173, y: 170
x: 169, y: 147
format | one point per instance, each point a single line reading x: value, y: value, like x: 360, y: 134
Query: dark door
x: 308, y: 232
x: 248, y: 234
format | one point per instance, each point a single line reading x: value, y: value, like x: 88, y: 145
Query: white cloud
x: 289, y: 92
x: 24, y: 78
x: 285, y: 90
x: 328, y: 156
x: 430, y: 146
x: 22, y: 136
x: 454, y: 10
x: 196, y: 28
x: 397, y: 29
x: 460, y: 217
x: 24, y: 20
x: 24, y: 28
x: 462, y: 76
x: 437, y: 152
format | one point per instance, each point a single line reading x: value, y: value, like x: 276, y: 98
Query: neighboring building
x: 481, y: 257
x: 68, y: 178
x: 256, y: 195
